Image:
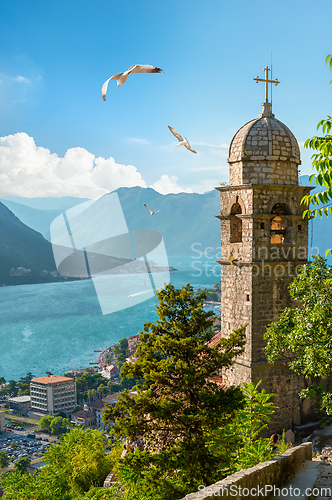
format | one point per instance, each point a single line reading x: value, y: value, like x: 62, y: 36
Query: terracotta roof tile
x: 52, y: 379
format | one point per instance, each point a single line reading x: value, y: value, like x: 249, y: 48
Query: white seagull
x: 151, y: 213
x: 182, y: 142
x: 122, y: 77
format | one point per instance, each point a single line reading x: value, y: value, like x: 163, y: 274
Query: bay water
x: 57, y: 326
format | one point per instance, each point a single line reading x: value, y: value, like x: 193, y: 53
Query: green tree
x: 121, y: 351
x: 109, y: 386
x: 100, y: 390
x: 86, y: 382
x: 24, y: 384
x: 12, y: 388
x: 93, y: 394
x: 22, y: 465
x: 322, y: 162
x: 4, y: 460
x: 45, y: 423
x: 60, y: 425
x: 2, y: 380
x: 178, y: 401
x: 74, y: 467
x: 77, y: 408
x: 247, y: 426
x: 302, y: 335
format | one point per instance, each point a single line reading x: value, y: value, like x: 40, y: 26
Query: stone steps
x: 304, y: 482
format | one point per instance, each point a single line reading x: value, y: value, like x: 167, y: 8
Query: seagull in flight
x: 182, y: 142
x: 151, y: 213
x: 122, y: 77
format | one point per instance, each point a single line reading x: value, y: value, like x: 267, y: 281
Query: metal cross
x: 267, y: 81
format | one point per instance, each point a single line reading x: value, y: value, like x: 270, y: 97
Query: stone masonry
x: 264, y: 241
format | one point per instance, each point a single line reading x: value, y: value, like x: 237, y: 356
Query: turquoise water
x: 55, y: 326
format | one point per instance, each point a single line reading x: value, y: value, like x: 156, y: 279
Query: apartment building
x: 52, y: 395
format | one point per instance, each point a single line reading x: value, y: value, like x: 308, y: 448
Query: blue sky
x: 58, y: 137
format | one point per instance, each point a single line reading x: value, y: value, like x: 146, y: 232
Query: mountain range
x: 183, y: 219
x: 21, y: 246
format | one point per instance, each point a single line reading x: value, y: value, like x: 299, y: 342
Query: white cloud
x: 21, y: 79
x: 31, y: 171
x: 167, y: 185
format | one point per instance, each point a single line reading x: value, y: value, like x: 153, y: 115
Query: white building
x: 2, y: 421
x: 20, y: 404
x: 52, y: 395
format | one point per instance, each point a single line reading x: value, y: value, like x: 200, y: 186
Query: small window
x: 262, y: 225
x: 235, y: 224
x: 299, y: 228
x: 278, y: 229
x: 247, y: 297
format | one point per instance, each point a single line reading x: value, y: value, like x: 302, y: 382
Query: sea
x: 59, y: 326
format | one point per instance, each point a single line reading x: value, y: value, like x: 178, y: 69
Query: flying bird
x: 151, y: 213
x: 182, y: 142
x: 122, y: 77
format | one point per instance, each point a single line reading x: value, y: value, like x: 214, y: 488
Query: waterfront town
x: 123, y: 377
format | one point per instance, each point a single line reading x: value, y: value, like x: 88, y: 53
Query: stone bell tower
x: 264, y: 240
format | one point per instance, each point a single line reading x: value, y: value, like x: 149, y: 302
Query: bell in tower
x: 264, y: 242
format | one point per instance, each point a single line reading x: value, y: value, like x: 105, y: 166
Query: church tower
x: 264, y: 241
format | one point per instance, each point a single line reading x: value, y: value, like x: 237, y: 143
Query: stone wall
x: 264, y: 151
x: 257, y: 202
x: 265, y: 475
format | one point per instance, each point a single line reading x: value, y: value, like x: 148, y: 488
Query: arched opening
x: 278, y: 224
x: 235, y: 224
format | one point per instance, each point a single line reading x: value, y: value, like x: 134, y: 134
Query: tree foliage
x: 45, y: 423
x: 87, y: 382
x: 250, y: 448
x: 322, y: 162
x: 22, y: 465
x: 178, y: 401
x: 4, y: 460
x: 74, y: 467
x: 54, y: 425
x: 121, y: 351
x: 24, y: 384
x: 302, y: 335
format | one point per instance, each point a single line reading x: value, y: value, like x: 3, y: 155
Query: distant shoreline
x: 43, y: 279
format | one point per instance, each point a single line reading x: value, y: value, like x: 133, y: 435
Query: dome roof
x: 264, y: 138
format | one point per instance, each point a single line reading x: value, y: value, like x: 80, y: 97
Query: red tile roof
x: 96, y: 405
x: 111, y: 397
x: 83, y: 414
x: 215, y: 340
x: 52, y: 379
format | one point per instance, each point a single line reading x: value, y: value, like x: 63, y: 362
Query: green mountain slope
x: 185, y: 220
x: 21, y: 246
x: 62, y: 203
x: 37, y: 219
